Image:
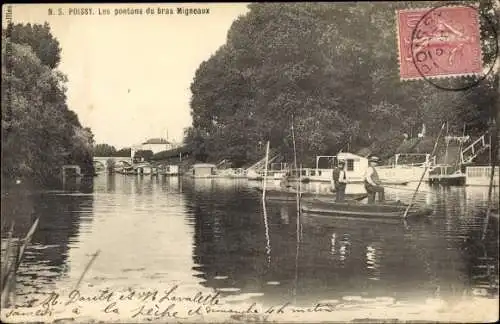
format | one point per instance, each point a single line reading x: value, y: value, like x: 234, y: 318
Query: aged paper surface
x: 213, y: 162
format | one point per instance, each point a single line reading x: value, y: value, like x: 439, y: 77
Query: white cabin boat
x: 355, y: 167
x: 407, y: 167
x: 232, y: 173
x: 145, y: 169
x: 171, y: 170
x: 254, y: 175
x: 203, y: 170
x: 278, y: 170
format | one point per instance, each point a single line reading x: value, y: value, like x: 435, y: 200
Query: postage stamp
x: 439, y: 42
x: 249, y: 162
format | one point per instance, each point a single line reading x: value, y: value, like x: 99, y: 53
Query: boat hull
x: 451, y: 180
x: 291, y: 196
x: 353, y: 209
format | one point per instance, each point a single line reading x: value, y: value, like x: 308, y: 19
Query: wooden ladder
x: 473, y: 150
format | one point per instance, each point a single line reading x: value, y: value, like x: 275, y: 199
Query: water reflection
x: 373, y: 257
x: 216, y: 233
x: 285, y: 218
x: 60, y: 216
x: 336, y: 258
x: 144, y: 218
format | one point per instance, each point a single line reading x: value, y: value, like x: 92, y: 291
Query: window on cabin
x: 350, y: 165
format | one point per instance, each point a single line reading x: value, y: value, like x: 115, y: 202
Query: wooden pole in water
x: 10, y: 270
x: 298, y: 175
x: 423, y: 173
x: 266, y: 233
x: 447, y: 144
x: 295, y: 166
x: 265, y: 173
x: 494, y: 150
x: 494, y: 156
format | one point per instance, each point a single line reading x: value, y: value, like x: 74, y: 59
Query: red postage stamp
x: 439, y: 42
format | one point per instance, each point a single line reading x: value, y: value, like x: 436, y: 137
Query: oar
x: 423, y: 174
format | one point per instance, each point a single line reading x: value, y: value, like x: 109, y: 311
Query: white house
x: 156, y: 145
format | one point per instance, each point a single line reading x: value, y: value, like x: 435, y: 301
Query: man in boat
x: 339, y: 179
x: 373, y: 185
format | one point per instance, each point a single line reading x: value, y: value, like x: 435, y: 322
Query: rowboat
x: 354, y: 209
x: 291, y: 195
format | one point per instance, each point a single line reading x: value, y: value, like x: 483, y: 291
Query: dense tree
x: 331, y: 70
x: 124, y: 152
x: 41, y: 41
x: 143, y: 154
x: 177, y: 153
x: 39, y: 132
x: 104, y: 150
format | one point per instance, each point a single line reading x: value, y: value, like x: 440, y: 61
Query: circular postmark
x: 454, y: 47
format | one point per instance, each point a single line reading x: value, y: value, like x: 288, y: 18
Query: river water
x: 215, y: 234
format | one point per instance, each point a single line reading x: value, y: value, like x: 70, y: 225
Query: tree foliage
x: 124, y: 152
x: 174, y: 153
x: 39, y: 132
x: 104, y: 150
x: 331, y: 71
x: 41, y: 41
x: 143, y: 154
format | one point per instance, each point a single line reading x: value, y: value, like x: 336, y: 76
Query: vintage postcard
x: 250, y: 162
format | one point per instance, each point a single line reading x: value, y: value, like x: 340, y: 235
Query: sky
x: 129, y: 75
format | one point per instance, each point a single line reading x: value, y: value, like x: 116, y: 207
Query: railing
x: 480, y: 176
x: 480, y: 171
x: 473, y: 150
x: 262, y: 163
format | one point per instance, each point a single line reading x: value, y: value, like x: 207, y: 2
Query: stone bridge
x: 100, y: 161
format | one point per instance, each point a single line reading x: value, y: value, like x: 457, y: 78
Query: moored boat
x: 447, y: 175
x: 169, y: 170
x: 254, y: 175
x: 291, y: 195
x: 354, y: 209
x: 406, y: 167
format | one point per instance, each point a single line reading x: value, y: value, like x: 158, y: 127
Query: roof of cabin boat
x: 204, y: 165
x: 346, y: 155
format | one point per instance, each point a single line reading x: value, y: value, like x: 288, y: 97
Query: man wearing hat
x: 339, y: 179
x: 372, y: 181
